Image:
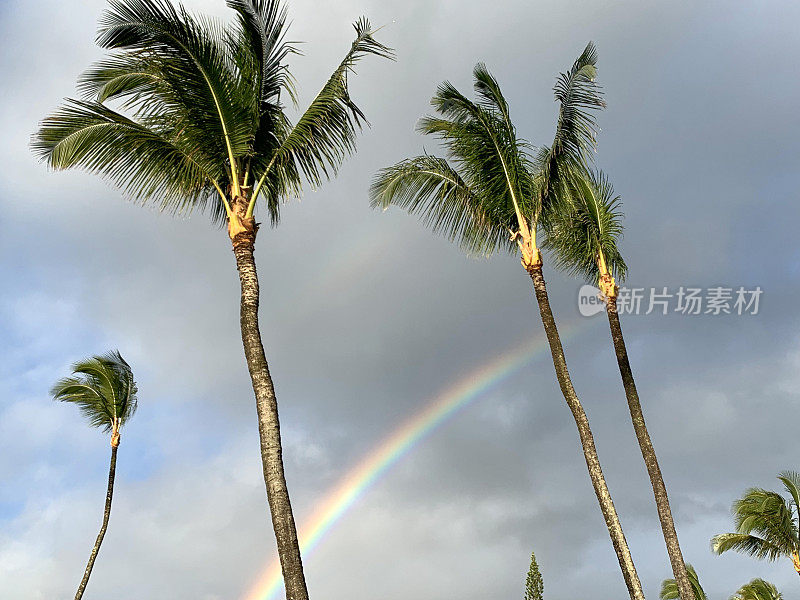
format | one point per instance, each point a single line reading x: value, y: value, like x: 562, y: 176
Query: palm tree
x: 757, y: 589
x: 199, y: 123
x: 583, y: 235
x: 491, y: 185
x: 670, y: 591
x: 766, y: 523
x: 105, y: 392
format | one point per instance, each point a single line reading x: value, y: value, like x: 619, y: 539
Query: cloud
x: 366, y: 316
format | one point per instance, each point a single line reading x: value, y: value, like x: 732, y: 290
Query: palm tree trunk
x: 268, y: 424
x: 649, y: 455
x: 106, y: 515
x: 587, y: 440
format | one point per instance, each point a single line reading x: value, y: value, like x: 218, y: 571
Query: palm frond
x: 768, y: 515
x: 791, y: 481
x: 429, y: 186
x: 263, y: 31
x: 194, y: 67
x: 746, y: 544
x: 578, y: 96
x: 669, y: 587
x: 326, y: 132
x: 147, y: 162
x: 588, y: 222
x: 103, y: 388
x: 757, y: 589
x: 482, y: 142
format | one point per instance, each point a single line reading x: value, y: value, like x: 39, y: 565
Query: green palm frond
x: 103, y: 388
x: 326, y: 132
x: 191, y: 57
x: 768, y: 515
x: 579, y: 97
x: 669, y: 587
x: 262, y: 35
x: 146, y: 161
x: 587, y: 222
x: 746, y: 544
x: 757, y: 589
x: 482, y: 142
x: 429, y: 186
x: 791, y: 482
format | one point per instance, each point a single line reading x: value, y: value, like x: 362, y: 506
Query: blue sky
x: 367, y: 315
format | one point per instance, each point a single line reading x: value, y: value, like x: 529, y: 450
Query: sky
x: 367, y: 317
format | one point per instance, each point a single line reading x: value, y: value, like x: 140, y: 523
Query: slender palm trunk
x: 649, y: 455
x: 587, y: 440
x: 106, y: 515
x: 268, y: 424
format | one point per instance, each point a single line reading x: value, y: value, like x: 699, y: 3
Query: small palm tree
x: 493, y: 184
x: 766, y: 523
x: 105, y: 392
x: 584, y: 234
x: 757, y: 589
x: 670, y: 591
x: 198, y: 122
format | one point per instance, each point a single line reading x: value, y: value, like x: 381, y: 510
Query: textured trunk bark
x: 649, y: 455
x: 106, y: 515
x: 587, y: 440
x: 268, y: 424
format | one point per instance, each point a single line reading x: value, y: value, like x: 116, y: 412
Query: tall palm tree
x: 105, y: 392
x: 198, y: 122
x: 757, y: 589
x: 766, y: 523
x: 670, y: 591
x: 492, y: 184
x: 583, y: 235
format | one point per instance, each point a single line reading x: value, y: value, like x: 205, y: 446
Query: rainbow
x: 364, y: 475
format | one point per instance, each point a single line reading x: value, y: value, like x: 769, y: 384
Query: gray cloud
x: 366, y: 316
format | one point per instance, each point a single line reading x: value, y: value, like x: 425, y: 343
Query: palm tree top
x: 492, y: 184
x: 104, y: 390
x: 584, y: 233
x: 669, y: 587
x: 766, y: 523
x: 198, y: 119
x: 757, y: 589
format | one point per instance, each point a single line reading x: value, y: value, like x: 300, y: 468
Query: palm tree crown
x: 585, y: 231
x: 104, y: 390
x: 199, y: 118
x: 766, y: 523
x: 757, y: 589
x: 670, y: 591
x: 492, y: 182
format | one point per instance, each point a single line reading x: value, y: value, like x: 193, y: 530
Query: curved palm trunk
x: 268, y: 424
x: 649, y: 454
x: 106, y: 515
x: 587, y: 440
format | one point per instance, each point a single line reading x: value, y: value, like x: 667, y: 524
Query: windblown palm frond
x: 757, y: 589
x: 326, y: 132
x: 578, y: 96
x: 587, y: 223
x: 766, y: 524
x: 103, y: 388
x: 669, y: 587
x: 431, y: 187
